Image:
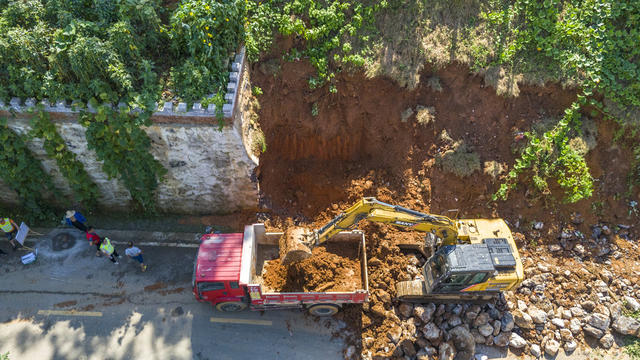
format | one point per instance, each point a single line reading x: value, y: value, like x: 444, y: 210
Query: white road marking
x: 70, y: 312
x: 241, y: 321
x: 155, y: 243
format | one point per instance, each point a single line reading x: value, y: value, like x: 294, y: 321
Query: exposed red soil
x: 330, y: 268
x: 357, y: 145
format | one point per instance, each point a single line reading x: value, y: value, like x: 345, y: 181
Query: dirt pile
x: 330, y: 268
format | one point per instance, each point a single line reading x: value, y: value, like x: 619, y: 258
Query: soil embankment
x: 325, y: 151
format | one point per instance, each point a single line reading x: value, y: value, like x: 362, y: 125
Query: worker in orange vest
x: 10, y: 228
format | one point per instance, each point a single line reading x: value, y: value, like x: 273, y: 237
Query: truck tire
x: 323, y: 309
x: 231, y: 306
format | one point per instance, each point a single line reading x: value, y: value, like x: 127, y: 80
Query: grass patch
x: 459, y: 159
x: 632, y: 346
x: 434, y: 83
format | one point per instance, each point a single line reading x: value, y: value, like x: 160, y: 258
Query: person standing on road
x: 109, y: 250
x: 75, y: 219
x: 10, y: 228
x: 135, y: 253
x: 94, y: 239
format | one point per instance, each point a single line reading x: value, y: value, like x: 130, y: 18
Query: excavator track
x: 415, y: 292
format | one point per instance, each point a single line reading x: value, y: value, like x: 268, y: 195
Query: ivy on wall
x: 84, y: 189
x: 123, y: 147
x: 21, y: 171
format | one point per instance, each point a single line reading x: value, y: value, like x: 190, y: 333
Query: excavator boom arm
x: 374, y: 210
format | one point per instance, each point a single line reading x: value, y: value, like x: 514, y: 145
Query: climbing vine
x: 118, y: 140
x: 21, y: 171
x: 85, y: 190
x: 550, y: 156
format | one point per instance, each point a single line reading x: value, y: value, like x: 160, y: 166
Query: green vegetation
x: 334, y: 33
x: 134, y: 52
x: 83, y: 187
x: 124, y: 149
x: 459, y: 160
x: 139, y: 52
x: 632, y: 346
x: 549, y: 155
x: 21, y: 171
x: 589, y: 44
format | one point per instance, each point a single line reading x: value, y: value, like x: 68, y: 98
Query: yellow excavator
x: 469, y: 260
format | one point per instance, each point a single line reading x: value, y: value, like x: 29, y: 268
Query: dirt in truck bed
x: 332, y: 267
x: 367, y: 140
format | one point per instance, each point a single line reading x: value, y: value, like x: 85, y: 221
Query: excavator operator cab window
x: 457, y: 282
x: 456, y: 279
x: 478, y: 278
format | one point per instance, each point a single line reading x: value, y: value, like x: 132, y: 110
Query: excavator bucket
x: 292, y: 246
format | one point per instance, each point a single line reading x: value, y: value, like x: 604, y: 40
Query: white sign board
x: 22, y: 233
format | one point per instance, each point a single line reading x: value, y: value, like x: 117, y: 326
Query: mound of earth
x: 330, y: 268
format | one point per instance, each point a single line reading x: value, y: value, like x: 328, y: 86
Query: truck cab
x: 216, y: 276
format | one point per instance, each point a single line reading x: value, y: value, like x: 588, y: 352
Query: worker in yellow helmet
x: 10, y: 228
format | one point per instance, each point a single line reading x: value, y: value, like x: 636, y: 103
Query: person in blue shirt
x: 76, y: 220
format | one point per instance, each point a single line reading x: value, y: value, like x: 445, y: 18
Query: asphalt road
x: 70, y: 304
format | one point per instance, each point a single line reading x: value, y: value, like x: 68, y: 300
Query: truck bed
x: 265, y: 249
x: 312, y: 276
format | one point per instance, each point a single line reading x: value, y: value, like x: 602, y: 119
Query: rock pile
x: 425, y: 331
x: 573, y: 293
x: 581, y: 291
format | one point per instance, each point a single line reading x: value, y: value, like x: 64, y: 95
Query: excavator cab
x: 465, y: 273
x: 445, y: 273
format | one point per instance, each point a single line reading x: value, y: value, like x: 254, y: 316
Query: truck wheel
x: 324, y: 309
x: 231, y: 306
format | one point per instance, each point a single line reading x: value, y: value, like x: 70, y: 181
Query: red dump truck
x: 228, y: 274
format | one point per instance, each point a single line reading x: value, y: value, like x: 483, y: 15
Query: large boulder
x: 485, y: 330
x: 593, y: 331
x: 626, y: 325
x: 538, y: 316
x: 551, y: 347
x: 507, y: 322
x: 599, y: 321
x: 570, y: 346
x: 631, y: 303
x: 405, y: 309
x: 408, y: 348
x: 535, y: 350
x: 516, y: 341
x: 607, y: 341
x: 523, y: 320
x: 502, y: 339
x: 481, y: 319
x: 446, y: 351
x: 424, y: 313
x: 464, y: 342
x: 432, y: 333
